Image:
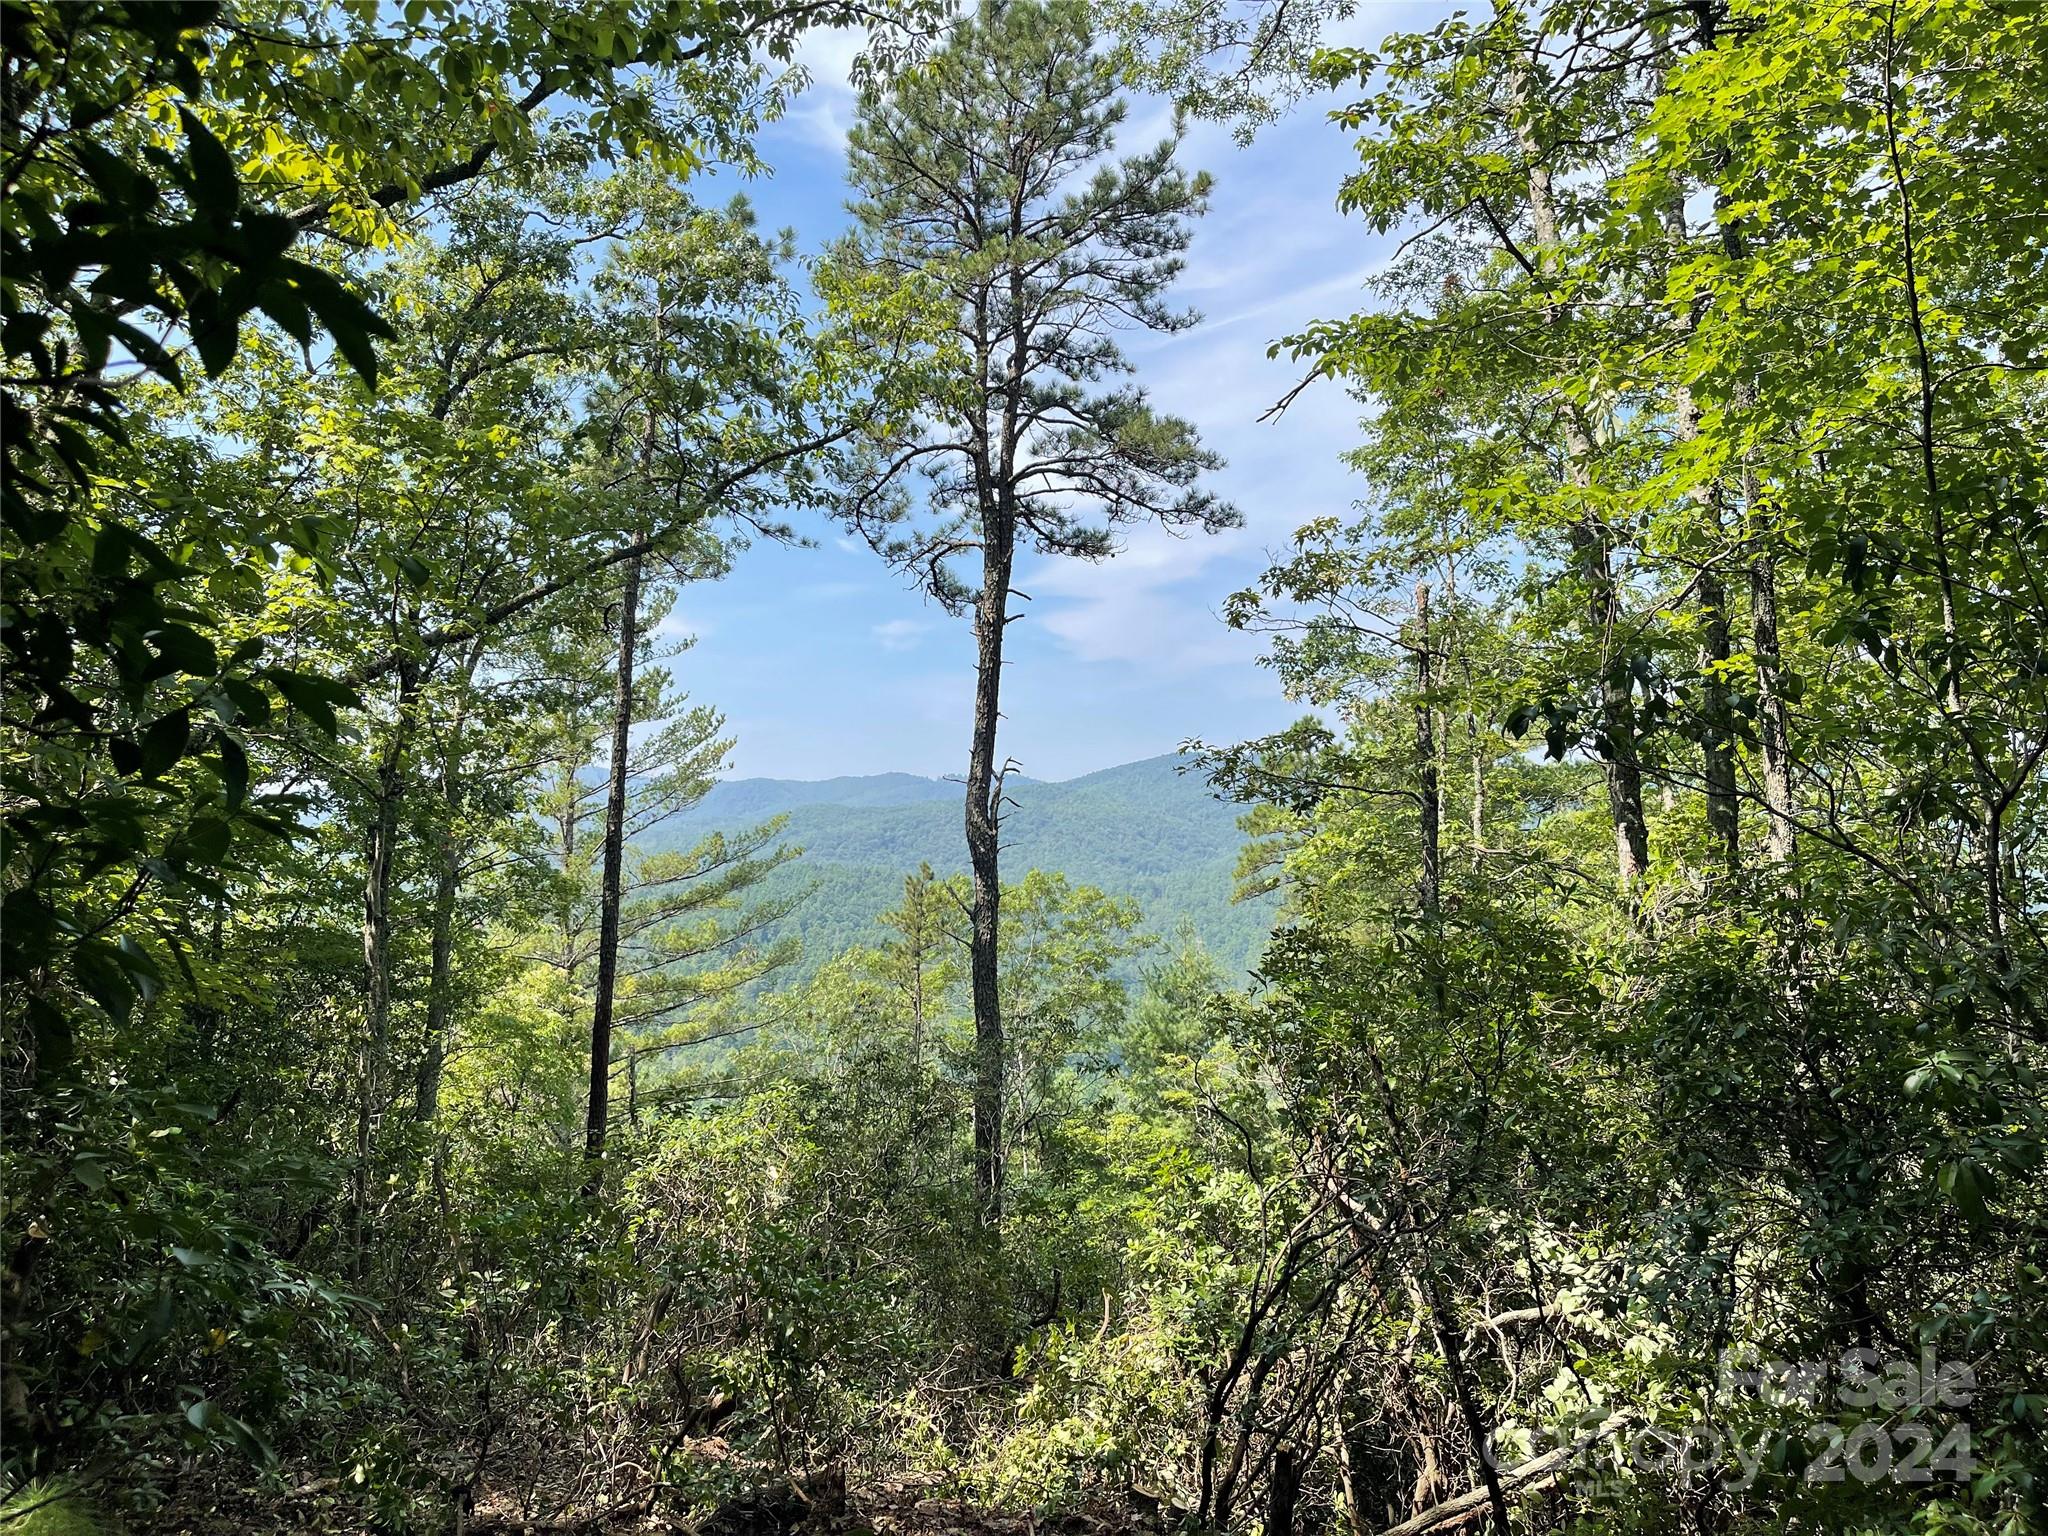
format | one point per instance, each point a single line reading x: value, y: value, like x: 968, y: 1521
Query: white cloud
x: 1157, y: 632
x: 679, y: 628
x: 1273, y: 255
x: 822, y: 115
x: 900, y: 634
x: 1151, y: 606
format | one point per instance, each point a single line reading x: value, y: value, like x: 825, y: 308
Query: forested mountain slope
x: 1147, y: 830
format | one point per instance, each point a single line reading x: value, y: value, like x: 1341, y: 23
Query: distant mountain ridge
x: 754, y: 797
x: 1145, y: 830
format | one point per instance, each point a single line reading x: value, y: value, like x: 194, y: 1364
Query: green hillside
x: 1144, y: 830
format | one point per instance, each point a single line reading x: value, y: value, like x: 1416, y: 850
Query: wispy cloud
x: 900, y: 634
x: 822, y: 115
x: 679, y: 628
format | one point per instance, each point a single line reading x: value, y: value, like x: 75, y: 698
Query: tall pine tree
x: 988, y: 175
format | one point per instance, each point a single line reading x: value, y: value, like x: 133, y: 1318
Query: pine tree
x: 988, y: 176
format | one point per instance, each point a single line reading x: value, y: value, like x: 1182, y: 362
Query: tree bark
x: 917, y: 945
x: 377, y: 879
x: 1774, y: 734
x: 1431, y: 786
x: 1724, y: 824
x: 611, y: 882
x: 1478, y: 1423
x: 1624, y: 772
x: 447, y: 884
x: 1717, y: 743
x: 440, y: 986
x: 1591, y: 546
x: 1282, y: 1492
x: 1478, y: 790
x: 984, y: 824
x: 1774, y: 731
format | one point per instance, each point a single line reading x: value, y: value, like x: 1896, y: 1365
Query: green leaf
x: 343, y: 315
x: 1969, y: 1186
x: 205, y: 841
x: 164, y: 742
x: 233, y: 770
x: 100, y: 971
x: 180, y: 648
x: 313, y: 696
x: 248, y: 702
x: 215, y: 184
x: 216, y: 333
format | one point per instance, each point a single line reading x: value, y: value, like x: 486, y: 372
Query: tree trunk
x: 1774, y: 732
x: 984, y: 820
x: 1478, y: 788
x: 447, y: 884
x: 611, y: 882
x: 440, y: 985
x: 917, y: 891
x: 1429, y: 781
x: 1717, y: 736
x: 1724, y: 824
x: 1590, y: 544
x: 1478, y: 1423
x: 1283, y: 1492
x: 1624, y: 772
x: 377, y: 880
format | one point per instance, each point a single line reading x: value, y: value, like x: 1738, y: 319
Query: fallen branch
x: 1537, y: 1472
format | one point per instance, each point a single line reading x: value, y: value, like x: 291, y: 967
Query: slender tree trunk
x: 984, y: 822
x: 1717, y: 744
x: 916, y: 889
x: 1478, y: 1423
x: 611, y: 883
x: 1478, y: 790
x: 440, y: 985
x: 996, y: 487
x: 1283, y: 1491
x: 1429, y: 782
x: 1774, y: 733
x: 377, y: 977
x: 1624, y: 770
x: 1592, y: 547
x: 1724, y: 823
x: 447, y: 884
x: 377, y: 880
x: 1429, y: 1292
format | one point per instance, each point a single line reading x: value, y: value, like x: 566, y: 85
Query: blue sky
x: 825, y: 663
